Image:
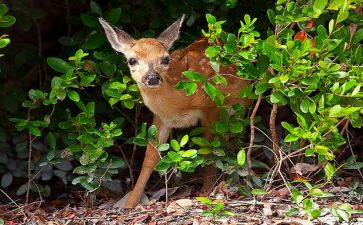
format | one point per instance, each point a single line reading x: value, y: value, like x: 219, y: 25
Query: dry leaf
x: 158, y: 194
x: 304, y: 168
x: 179, y: 206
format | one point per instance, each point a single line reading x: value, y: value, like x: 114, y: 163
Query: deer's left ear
x: 171, y: 34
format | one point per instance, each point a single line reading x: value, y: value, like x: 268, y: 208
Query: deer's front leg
x: 209, y: 171
x: 151, y: 159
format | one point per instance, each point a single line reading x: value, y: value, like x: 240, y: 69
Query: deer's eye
x: 132, y: 61
x: 165, y: 60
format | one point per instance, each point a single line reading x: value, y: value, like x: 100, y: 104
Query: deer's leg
x: 151, y: 159
x: 209, y: 172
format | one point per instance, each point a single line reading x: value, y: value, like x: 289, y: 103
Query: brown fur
x: 171, y: 107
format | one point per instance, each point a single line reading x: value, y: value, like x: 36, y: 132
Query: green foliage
x: 5, y: 21
x: 215, y: 209
x: 85, y: 102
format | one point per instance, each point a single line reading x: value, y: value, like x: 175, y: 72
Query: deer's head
x: 148, y: 58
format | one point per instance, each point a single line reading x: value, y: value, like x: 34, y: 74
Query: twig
x: 127, y: 163
x: 275, y: 145
x: 132, y: 160
x: 12, y: 201
x: 29, y: 165
x: 166, y: 190
x: 252, y: 136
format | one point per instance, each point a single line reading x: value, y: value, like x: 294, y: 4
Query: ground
x: 270, y: 209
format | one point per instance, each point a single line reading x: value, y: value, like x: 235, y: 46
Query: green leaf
x: 6, y: 179
x: 204, y: 200
x: 271, y: 51
x: 315, y: 213
x: 212, y: 51
x: 271, y: 16
x: 261, y: 88
x: 162, y: 166
x: 200, y: 141
x: 210, y: 18
x: 210, y: 90
x: 175, y: 145
x: 342, y: 15
x: 3, y: 9
x: 291, y: 138
x: 151, y: 132
x: 141, y: 141
x: 90, y: 20
x: 22, y: 189
x: 316, y: 192
x: 113, y: 15
x: 335, y: 110
x: 188, y: 153
x: 7, y: 21
x: 184, y: 140
x: 35, y: 131
x: 95, y: 8
x: 331, y: 26
x: 4, y: 42
x: 73, y: 96
x: 236, y: 127
x: 358, y: 36
x: 312, y: 107
x: 163, y: 147
x: 356, y: 90
x: 190, y: 88
x: 51, y: 155
x: 288, y: 127
x: 51, y: 139
x: 194, y: 76
x: 258, y: 192
x: 292, y: 212
x: 276, y: 97
x: 58, y: 65
x: 94, y: 41
x: 302, y: 122
x: 329, y: 170
x: 219, y: 79
x: 319, y: 6
x: 304, y: 105
x: 344, y: 215
x: 174, y: 156
x: 241, y: 157
x: 297, y: 196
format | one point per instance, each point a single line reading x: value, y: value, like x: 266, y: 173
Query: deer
x: 156, y: 72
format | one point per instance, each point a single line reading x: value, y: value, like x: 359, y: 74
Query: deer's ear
x: 119, y: 39
x: 171, y: 34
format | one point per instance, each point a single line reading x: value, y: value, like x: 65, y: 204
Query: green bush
x: 302, y: 55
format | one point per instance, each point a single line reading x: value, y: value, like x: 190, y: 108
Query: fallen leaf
x: 304, y: 168
x: 179, y: 206
x: 158, y: 194
x: 267, y: 209
x: 339, y: 189
x: 281, y: 192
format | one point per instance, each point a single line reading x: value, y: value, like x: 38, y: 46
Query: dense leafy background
x: 67, y: 96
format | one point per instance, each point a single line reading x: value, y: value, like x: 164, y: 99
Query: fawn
x: 156, y: 72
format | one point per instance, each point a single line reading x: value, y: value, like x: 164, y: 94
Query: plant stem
x: 252, y: 137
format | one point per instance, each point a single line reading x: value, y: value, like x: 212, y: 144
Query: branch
x: 252, y: 136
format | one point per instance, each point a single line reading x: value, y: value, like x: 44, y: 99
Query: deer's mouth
x: 152, y: 80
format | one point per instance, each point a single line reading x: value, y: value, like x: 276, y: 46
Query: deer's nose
x: 153, y: 79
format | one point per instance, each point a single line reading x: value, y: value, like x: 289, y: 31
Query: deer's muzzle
x: 152, y: 80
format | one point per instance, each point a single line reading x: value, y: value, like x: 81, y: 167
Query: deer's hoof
x: 125, y: 203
